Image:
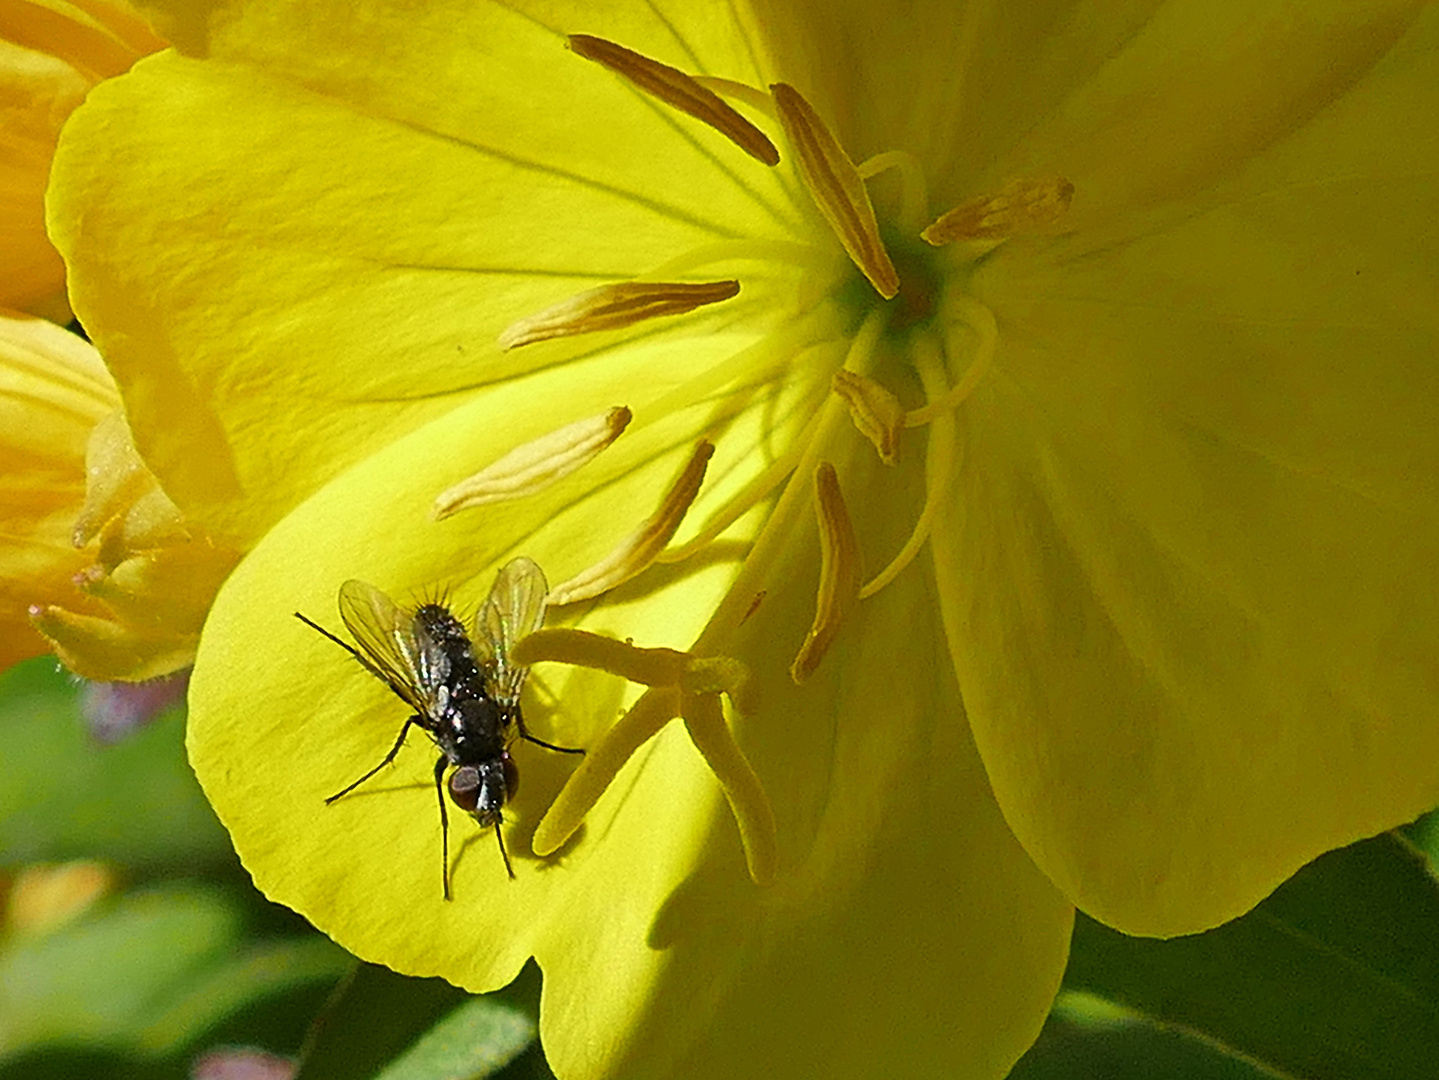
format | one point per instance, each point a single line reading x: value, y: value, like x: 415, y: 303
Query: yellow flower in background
x: 96, y: 563
x: 1039, y: 409
x: 53, y: 391
x: 51, y: 54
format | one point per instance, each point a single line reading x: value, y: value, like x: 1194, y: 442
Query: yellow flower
x: 1062, y: 474
x: 96, y: 563
x: 53, y: 391
x: 51, y: 53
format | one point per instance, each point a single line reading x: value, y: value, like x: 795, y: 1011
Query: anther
x: 674, y: 87
x: 614, y: 307
x: 876, y: 412
x: 836, y: 187
x: 1020, y: 206
x: 535, y: 465
x: 839, y: 572
x: 633, y: 554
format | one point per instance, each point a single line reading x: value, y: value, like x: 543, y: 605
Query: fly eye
x: 512, y: 776
x: 465, y: 788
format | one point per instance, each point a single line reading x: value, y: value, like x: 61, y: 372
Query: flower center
x: 885, y: 336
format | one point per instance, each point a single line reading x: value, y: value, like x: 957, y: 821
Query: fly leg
x: 525, y: 734
x: 503, y: 853
x: 444, y: 825
x: 415, y: 720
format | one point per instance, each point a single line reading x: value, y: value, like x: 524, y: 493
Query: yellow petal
x: 51, y: 53
x: 1191, y: 569
x: 1194, y: 93
x: 888, y: 838
x: 500, y: 196
x: 45, y: 897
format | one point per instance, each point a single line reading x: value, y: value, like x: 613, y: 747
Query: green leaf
x: 371, y: 1019
x: 477, y: 1039
x: 252, y: 973
x: 1334, y: 977
x: 1087, y: 1039
x: 63, y: 795
x: 146, y: 973
x: 393, y: 1027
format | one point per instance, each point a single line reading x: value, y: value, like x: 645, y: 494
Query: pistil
x: 680, y: 685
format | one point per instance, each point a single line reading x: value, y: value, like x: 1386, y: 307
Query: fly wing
x: 392, y: 645
x: 514, y: 609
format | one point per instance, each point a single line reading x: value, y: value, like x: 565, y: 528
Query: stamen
x: 633, y: 554
x: 746, y: 499
x: 857, y: 352
x: 738, y: 506
x: 613, y: 307
x: 938, y: 464
x: 981, y: 320
x: 780, y: 349
x: 839, y: 572
x: 682, y: 91
x: 914, y: 191
x: 876, y: 412
x: 762, y: 251
x: 752, y: 96
x: 535, y: 465
x: 837, y: 188
x: 704, y: 719
x: 1020, y: 206
x: 680, y: 685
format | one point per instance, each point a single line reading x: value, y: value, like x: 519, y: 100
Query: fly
x: 463, y: 689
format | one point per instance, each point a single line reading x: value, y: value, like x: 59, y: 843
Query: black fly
x: 464, y: 690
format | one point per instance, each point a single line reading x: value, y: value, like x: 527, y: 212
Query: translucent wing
x: 515, y: 608
x: 393, y: 645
